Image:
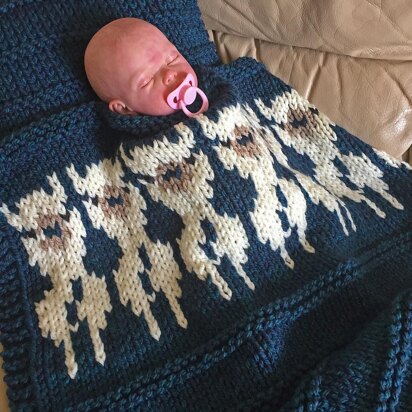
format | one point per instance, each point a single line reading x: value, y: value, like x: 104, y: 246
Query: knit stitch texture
x: 256, y: 257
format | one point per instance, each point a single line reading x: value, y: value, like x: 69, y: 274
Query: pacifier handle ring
x: 205, y: 105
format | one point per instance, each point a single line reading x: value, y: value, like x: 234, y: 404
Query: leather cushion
x: 350, y: 59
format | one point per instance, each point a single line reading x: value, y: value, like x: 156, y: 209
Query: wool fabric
x: 255, y: 257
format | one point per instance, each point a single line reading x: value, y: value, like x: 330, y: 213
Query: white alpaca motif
x: 242, y: 145
x: 314, y: 137
x: 59, y: 256
x: 180, y: 180
x: 117, y: 208
x: 252, y: 148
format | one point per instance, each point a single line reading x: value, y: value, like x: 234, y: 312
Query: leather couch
x: 352, y: 59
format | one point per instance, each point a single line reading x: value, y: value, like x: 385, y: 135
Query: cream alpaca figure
x: 327, y: 183
x: 125, y: 221
x: 189, y: 196
x: 243, y: 146
x: 37, y: 212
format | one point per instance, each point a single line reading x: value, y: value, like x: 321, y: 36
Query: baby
x: 133, y: 67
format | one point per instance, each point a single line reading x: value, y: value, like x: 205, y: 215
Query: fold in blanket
x: 255, y: 256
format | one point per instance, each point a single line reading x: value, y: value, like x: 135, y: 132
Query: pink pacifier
x: 185, y: 94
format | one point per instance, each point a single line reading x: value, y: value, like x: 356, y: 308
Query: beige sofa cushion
x: 368, y: 29
x: 351, y: 59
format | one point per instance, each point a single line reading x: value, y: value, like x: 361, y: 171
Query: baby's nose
x: 169, y: 76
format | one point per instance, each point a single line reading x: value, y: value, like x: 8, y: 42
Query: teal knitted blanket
x: 256, y: 257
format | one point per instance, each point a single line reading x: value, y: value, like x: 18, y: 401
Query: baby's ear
x: 119, y: 107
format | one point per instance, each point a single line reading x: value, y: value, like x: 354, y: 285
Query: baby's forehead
x: 147, y: 46
x: 147, y: 36
x: 151, y: 50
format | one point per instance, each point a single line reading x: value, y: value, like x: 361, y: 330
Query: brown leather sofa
x: 352, y: 59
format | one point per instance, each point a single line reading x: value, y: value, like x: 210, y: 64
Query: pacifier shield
x: 185, y: 94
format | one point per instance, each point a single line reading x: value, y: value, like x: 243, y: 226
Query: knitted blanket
x: 256, y: 256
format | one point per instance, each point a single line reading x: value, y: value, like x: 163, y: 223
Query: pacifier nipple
x: 185, y: 94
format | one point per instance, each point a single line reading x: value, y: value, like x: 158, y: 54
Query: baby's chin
x: 161, y: 109
x: 157, y: 112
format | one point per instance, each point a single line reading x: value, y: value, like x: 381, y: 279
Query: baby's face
x: 159, y: 69
x: 143, y: 68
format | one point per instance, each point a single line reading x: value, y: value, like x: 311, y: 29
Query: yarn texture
x: 255, y: 257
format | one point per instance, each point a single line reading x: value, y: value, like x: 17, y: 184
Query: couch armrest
x: 367, y: 29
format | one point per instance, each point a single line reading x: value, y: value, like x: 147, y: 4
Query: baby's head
x: 133, y: 67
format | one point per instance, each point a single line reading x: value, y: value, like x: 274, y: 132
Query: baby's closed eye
x: 172, y: 58
x: 143, y: 83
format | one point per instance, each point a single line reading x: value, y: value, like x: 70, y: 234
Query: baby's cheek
x: 157, y: 96
x: 156, y: 101
x: 160, y: 94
